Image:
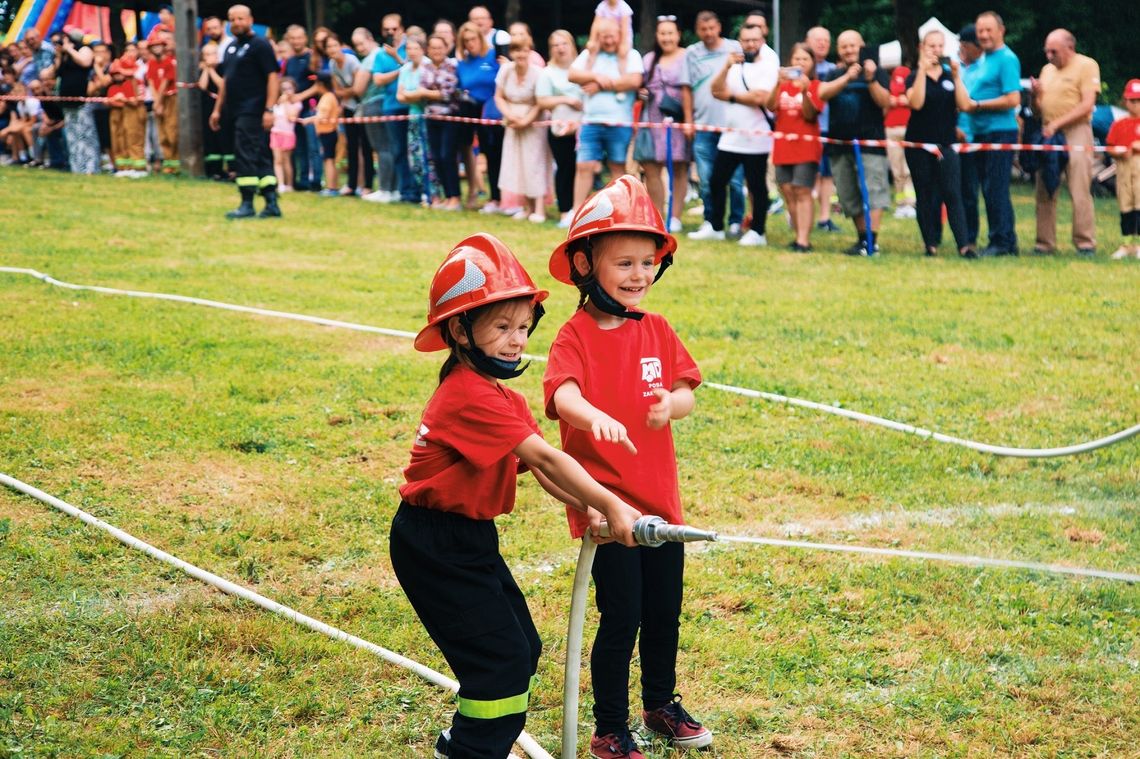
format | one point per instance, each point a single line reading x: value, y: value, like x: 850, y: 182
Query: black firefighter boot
x: 245, y: 210
x: 271, y: 210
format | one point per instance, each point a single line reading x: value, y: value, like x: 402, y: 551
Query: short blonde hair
x: 562, y: 34
x: 468, y: 28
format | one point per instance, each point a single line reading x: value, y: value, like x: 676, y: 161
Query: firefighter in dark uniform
x: 246, y: 99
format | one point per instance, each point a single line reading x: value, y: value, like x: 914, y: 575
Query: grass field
x: 270, y: 451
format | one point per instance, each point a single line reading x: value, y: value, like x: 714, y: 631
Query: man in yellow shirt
x: 1064, y: 96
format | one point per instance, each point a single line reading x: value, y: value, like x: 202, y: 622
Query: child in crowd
x: 209, y: 83
x: 475, y: 437
x: 19, y: 135
x: 328, y: 111
x: 1125, y: 133
x: 283, y: 135
x: 621, y: 12
x: 163, y: 80
x: 617, y: 376
x: 128, y: 120
x: 797, y: 107
x: 25, y: 114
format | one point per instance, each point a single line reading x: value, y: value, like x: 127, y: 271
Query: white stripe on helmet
x: 473, y: 278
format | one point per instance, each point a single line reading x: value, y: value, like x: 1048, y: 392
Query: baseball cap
x: 1132, y: 90
x: 968, y: 34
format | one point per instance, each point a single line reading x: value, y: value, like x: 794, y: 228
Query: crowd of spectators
x: 549, y: 126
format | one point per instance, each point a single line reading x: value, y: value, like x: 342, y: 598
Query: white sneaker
x: 675, y: 225
x: 519, y: 215
x: 752, y: 238
x: 380, y: 196
x: 776, y: 206
x: 512, y: 211
x: 564, y: 222
x: 1122, y: 252
x: 491, y: 207
x: 706, y: 232
x: 906, y: 212
x: 697, y: 210
x: 733, y: 230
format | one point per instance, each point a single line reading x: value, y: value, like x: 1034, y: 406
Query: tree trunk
x: 512, y: 13
x: 906, y: 29
x: 189, y: 102
x: 648, y: 26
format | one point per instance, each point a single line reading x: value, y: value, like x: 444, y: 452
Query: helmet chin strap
x: 494, y: 367
x: 602, y: 300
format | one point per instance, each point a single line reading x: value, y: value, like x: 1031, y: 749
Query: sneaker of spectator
x: 511, y: 211
x: 827, y: 225
x: 706, y: 232
x: 752, y: 239
x: 906, y: 212
x: 734, y: 230
x: 491, y: 207
x: 675, y: 225
x: 777, y: 206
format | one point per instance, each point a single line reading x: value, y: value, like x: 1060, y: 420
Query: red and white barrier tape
x: 930, y: 147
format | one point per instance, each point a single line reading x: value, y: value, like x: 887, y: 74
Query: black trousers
x: 755, y: 175
x: 491, y: 146
x: 1130, y: 223
x: 937, y: 181
x: 970, y: 189
x: 358, y: 148
x: 563, y: 150
x: 636, y: 589
x: 450, y: 568
x: 252, y: 156
x: 213, y: 155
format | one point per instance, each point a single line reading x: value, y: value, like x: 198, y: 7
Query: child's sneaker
x: 443, y: 745
x: 1122, y: 252
x: 615, y: 746
x: 677, y: 726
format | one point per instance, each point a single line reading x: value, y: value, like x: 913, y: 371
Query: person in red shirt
x: 894, y: 124
x: 1125, y: 134
x: 617, y: 376
x: 475, y: 437
x: 797, y: 106
x: 128, y: 120
x: 162, y: 77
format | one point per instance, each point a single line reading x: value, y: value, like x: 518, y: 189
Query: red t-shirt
x: 617, y: 369
x: 790, y: 120
x: 898, y: 115
x: 1124, y: 132
x: 163, y: 68
x: 126, y: 88
x: 462, y: 458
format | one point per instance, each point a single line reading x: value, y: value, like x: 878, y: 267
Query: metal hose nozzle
x: 653, y: 531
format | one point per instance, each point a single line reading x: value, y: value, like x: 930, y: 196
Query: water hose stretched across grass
x: 654, y: 531
x: 525, y: 741
x: 995, y: 450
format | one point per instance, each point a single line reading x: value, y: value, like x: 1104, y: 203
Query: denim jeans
x: 704, y: 153
x: 441, y: 145
x: 307, y: 158
x: 994, y: 168
x: 398, y: 146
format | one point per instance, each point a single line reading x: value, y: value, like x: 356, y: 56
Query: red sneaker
x: 614, y: 746
x: 677, y: 726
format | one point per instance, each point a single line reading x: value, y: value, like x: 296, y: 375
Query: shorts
x: 597, y: 142
x: 798, y: 174
x: 328, y: 145
x: 282, y: 140
x: 847, y: 181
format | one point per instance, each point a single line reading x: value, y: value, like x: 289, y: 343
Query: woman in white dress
x: 525, y: 165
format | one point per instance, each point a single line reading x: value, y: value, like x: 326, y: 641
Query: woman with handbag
x: 525, y: 166
x: 666, y: 95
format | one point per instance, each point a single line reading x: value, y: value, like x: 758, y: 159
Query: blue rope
x: 669, y: 171
x: 866, y: 200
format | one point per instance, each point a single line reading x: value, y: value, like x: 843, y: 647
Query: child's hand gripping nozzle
x: 652, y: 531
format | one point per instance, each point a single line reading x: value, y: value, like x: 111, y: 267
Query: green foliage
x: 269, y: 452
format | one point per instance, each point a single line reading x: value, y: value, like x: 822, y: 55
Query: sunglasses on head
x: 666, y: 18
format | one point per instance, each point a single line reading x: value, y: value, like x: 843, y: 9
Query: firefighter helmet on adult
x: 479, y: 271
x: 623, y: 205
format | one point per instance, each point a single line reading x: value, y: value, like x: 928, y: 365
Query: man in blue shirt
x: 307, y: 153
x: 995, y: 95
x: 391, y: 145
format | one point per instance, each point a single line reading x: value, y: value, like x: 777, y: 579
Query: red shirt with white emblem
x: 617, y: 370
x: 790, y: 120
x: 1124, y: 132
x: 462, y: 458
x: 163, y: 69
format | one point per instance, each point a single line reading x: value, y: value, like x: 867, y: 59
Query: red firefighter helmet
x: 621, y: 206
x: 478, y: 271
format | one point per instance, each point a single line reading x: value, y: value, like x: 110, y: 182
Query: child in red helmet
x: 616, y: 379
x: 474, y: 438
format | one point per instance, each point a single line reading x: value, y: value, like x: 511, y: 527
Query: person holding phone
x: 935, y: 92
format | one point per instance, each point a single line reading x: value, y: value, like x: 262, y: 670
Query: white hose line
x: 525, y: 741
x: 974, y: 561
x: 996, y: 450
x: 574, y: 648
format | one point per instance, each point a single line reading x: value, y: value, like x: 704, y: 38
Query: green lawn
x: 270, y: 452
